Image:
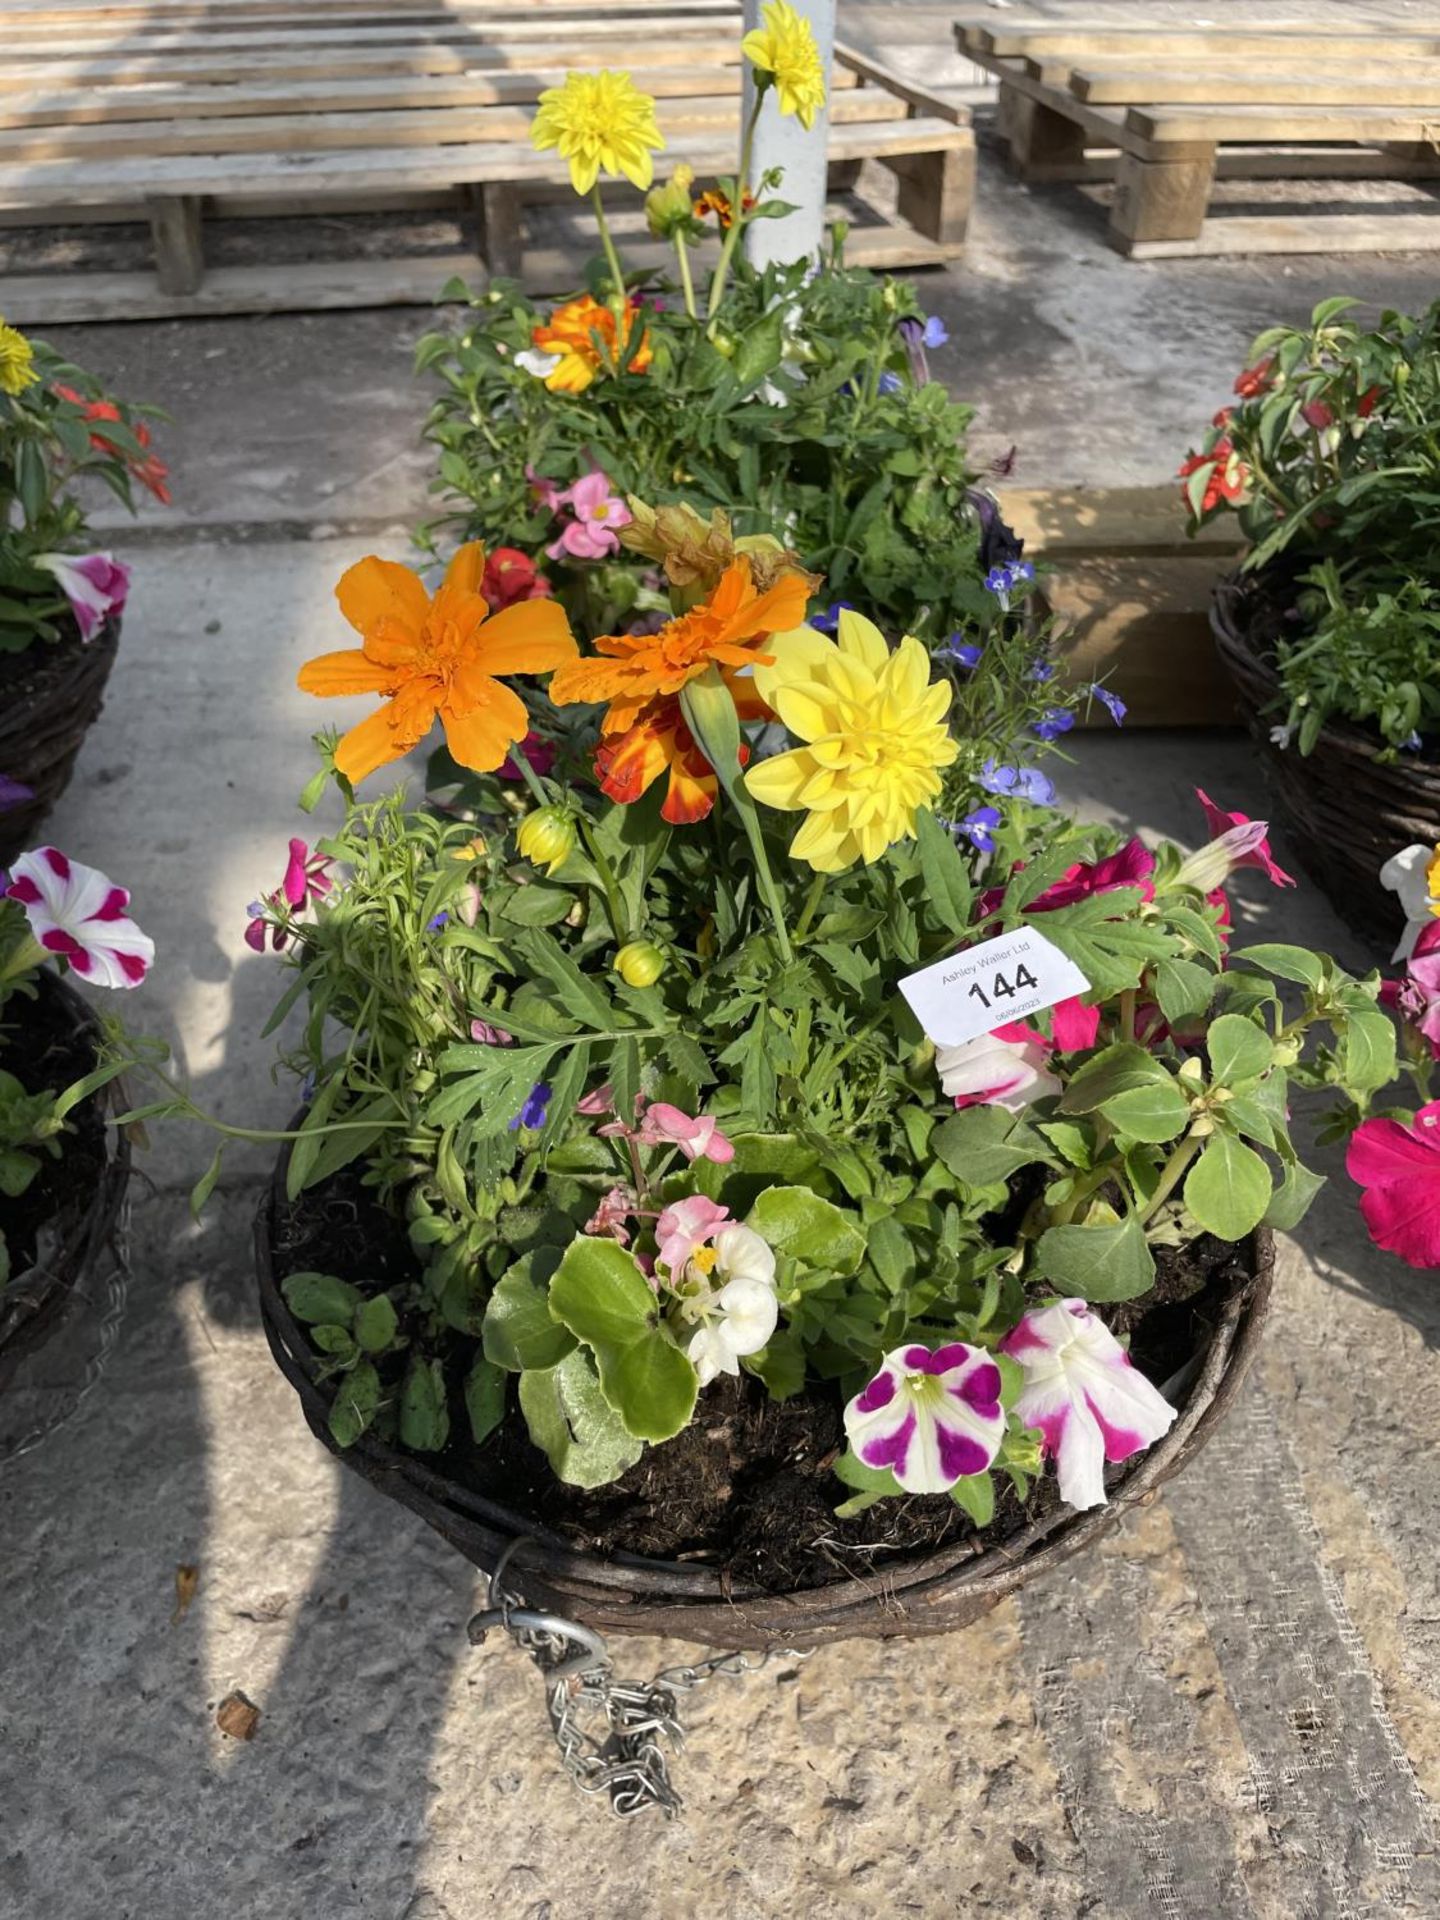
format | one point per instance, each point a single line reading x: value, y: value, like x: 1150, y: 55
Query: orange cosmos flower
x: 569, y: 333
x: 436, y: 656
x: 728, y: 631
x: 660, y: 742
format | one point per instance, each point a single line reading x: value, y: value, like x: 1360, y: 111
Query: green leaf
x: 1228, y: 1189
x: 985, y: 1145
x: 203, y: 1187
x: 537, y: 906
x: 1287, y: 963
x: 579, y: 993
x: 811, y: 1230
x: 761, y: 349
x: 1119, y: 1069
x: 1239, y: 1050
x: 484, y: 1399
x: 780, y: 1364
x: 947, y: 884
x: 975, y: 1492
x: 1292, y: 1198
x: 1157, y: 1112
x: 498, y: 1084
x: 1183, y: 989
x: 1367, y: 1049
x: 521, y: 1334
x: 570, y: 1420
x: 1097, y: 1263
x: 317, y: 1297
x: 356, y: 1402
x: 600, y: 1294
x: 424, y: 1414
x: 376, y: 1323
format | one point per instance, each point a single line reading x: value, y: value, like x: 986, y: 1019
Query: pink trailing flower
x: 685, y: 1226
x: 932, y: 1417
x: 1237, y: 841
x: 1397, y: 1162
x: 1003, y: 1068
x: 306, y: 879
x: 698, y: 1139
x: 95, y: 584
x: 591, y: 533
x: 79, y: 916
x: 1131, y: 866
x: 609, y: 1218
x: 539, y: 753
x: 1416, y: 998
x: 1083, y: 1393
x: 490, y: 1036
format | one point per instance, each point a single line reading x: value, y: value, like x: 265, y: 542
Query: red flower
x: 151, y: 472
x: 1227, y: 479
x: 1257, y: 379
x: 510, y: 576
x: 1367, y: 402
x: 1318, y: 414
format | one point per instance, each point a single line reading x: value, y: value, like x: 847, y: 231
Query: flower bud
x: 547, y: 837
x: 723, y: 342
x: 668, y: 209
x: 640, y: 963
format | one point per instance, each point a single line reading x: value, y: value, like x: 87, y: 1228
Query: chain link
x: 608, y: 1731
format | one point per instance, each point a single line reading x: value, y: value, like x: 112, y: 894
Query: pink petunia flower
x: 1416, y: 998
x: 95, y: 584
x: 1132, y: 866
x: 1004, y: 1068
x: 932, y: 1417
x: 591, y: 534
x: 306, y: 879
x: 685, y: 1226
x: 1089, y: 1402
x: 1237, y: 841
x: 539, y: 753
x: 1398, y: 1164
x: 79, y: 916
x: 1073, y: 1025
x: 697, y: 1139
x: 546, y: 493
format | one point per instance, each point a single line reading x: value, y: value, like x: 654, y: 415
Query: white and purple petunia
x: 95, y: 584
x: 932, y: 1417
x: 1082, y: 1391
x: 79, y: 916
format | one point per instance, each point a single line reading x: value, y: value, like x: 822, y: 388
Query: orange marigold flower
x: 728, y: 631
x: 713, y: 201
x: 659, y: 743
x: 570, y: 334
x: 440, y: 655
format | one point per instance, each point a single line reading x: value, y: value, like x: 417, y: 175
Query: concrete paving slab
x: 1231, y: 1712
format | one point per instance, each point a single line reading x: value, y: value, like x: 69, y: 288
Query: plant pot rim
x: 928, y: 1591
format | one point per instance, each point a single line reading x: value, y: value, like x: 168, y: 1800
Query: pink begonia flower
x: 489, y: 1036
x: 1004, y: 1068
x: 1416, y: 998
x: 686, y: 1225
x: 591, y: 534
x: 1237, y: 841
x: 609, y: 1217
x: 95, y: 584
x: 79, y: 916
x: 602, y: 1100
x: 1132, y: 866
x: 932, y: 1417
x: 539, y: 753
x: 700, y: 1138
x: 1398, y: 1164
x: 1412, y: 874
x: 1089, y: 1401
x: 306, y: 879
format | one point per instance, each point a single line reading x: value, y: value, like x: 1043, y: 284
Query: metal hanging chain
x: 608, y: 1731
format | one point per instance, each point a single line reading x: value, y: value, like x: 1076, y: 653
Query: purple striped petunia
x: 932, y: 1416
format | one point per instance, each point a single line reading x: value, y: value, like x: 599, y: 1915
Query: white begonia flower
x: 737, y: 1307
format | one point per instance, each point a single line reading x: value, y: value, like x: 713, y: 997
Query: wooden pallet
x: 172, y: 112
x: 1164, y: 112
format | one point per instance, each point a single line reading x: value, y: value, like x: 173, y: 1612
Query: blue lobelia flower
x: 829, y: 621
x: 964, y: 652
x: 888, y: 383
x: 1053, y: 722
x: 537, y: 1104
x: 1111, y: 701
x: 1022, y: 783
x: 979, y: 826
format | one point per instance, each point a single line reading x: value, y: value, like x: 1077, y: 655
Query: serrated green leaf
x: 1367, y: 1050
x: 1239, y: 1050
x: 1292, y: 1198
x: 1153, y: 1113
x: 1097, y: 1262
x: 813, y: 1231
x: 1287, y: 963
x: 1183, y: 989
x: 983, y: 1145
x: 1118, y: 1069
x: 1228, y: 1189
x: 947, y: 884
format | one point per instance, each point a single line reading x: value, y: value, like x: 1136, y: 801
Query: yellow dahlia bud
x: 547, y: 837
x: 640, y: 964
x: 668, y: 209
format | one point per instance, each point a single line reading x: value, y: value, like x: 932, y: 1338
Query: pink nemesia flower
x: 590, y: 535
x: 608, y: 1219
x: 1237, y: 841
x: 1089, y: 1402
x: 1003, y: 1068
x: 1398, y: 1164
x: 685, y: 1226
x: 931, y: 1417
x: 1132, y: 866
x: 95, y: 584
x: 700, y: 1138
x: 489, y: 1036
x: 538, y: 751
x: 1416, y: 998
x: 79, y: 916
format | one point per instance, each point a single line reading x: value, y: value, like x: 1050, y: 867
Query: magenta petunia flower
x: 95, y: 584
x: 539, y: 754
x: 306, y: 879
x: 1398, y: 1164
x: 1416, y: 998
x: 1131, y: 866
x: 79, y: 916
x: 1236, y: 841
x: 931, y: 1417
x: 1089, y: 1402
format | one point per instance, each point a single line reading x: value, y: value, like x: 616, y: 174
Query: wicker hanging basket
x: 1344, y: 812
x: 50, y: 697
x: 928, y: 1592
x: 59, y: 1318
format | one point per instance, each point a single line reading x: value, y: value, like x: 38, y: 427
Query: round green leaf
x: 1228, y: 1189
x: 1156, y: 1112
x: 813, y: 1231
x: 569, y: 1418
x: 376, y: 1323
x: 1097, y: 1263
x: 600, y: 1294
x: 314, y: 1297
x: 520, y: 1331
x: 1239, y: 1050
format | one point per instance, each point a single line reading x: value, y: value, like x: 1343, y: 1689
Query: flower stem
x: 682, y: 254
x: 614, y: 904
x: 812, y: 902
x: 737, y: 212
x: 613, y: 259
x: 529, y: 775
x: 1172, y: 1173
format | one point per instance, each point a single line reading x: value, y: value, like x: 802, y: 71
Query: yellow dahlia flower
x: 874, y: 738
x: 599, y: 122
x: 17, y: 361
x: 785, y: 49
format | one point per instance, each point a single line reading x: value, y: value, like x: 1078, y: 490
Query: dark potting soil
x: 41, y: 1045
x: 748, y: 1486
x: 34, y: 674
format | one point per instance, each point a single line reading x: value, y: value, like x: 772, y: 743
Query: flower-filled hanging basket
x: 50, y: 697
